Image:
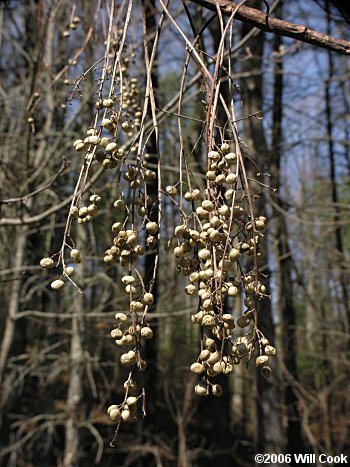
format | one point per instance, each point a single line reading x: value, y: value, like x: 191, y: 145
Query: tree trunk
x: 10, y: 325
x: 269, y: 433
x: 71, y: 450
x: 284, y: 271
x: 152, y: 379
x: 339, y: 244
x: 75, y: 397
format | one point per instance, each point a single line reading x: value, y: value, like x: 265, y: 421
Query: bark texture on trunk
x: 268, y: 433
x: 284, y: 273
x: 74, y: 396
x: 8, y: 337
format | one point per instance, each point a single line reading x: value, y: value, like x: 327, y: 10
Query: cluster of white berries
x: 72, y: 26
x: 130, y: 330
x: 121, y: 115
x: 86, y: 213
x: 126, y: 244
x: 212, y: 248
x: 127, y: 410
x: 48, y: 263
x: 215, y: 246
x: 101, y: 145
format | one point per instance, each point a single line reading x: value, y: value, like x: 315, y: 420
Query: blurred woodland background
x: 59, y: 367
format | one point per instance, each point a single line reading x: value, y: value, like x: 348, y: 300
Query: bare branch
x: 265, y: 23
x: 24, y: 198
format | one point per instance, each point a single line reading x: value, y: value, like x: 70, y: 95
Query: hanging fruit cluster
x: 112, y: 143
x: 214, y: 245
x: 217, y: 242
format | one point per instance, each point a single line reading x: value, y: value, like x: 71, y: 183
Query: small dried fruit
x: 243, y: 321
x: 57, y: 284
x: 128, y: 280
x: 225, y: 148
x: 47, y: 263
x: 204, y: 355
x: 270, y: 350
x: 107, y: 123
x: 148, y: 298
x: 111, y: 147
x: 190, y: 289
x: 147, y: 332
x: 115, y: 333
x: 126, y: 415
x: 261, y: 360
x: 201, y: 389
x: 120, y: 205
x: 208, y: 205
x: 197, y: 368
x: 234, y: 254
x: 121, y: 317
x: 216, y: 389
x: 171, y: 190
x: 131, y: 400
x: 152, y: 227
x: 70, y: 271
x: 214, y: 357
x: 208, y: 321
x: 108, y: 102
x: 75, y: 255
x: 213, y: 155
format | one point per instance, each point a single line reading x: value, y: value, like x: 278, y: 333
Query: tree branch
x: 264, y: 22
x: 24, y: 198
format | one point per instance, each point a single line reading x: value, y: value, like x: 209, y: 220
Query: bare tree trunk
x: 152, y: 380
x: 10, y: 325
x: 327, y: 372
x: 74, y: 396
x: 290, y: 348
x: 310, y: 304
x: 77, y: 365
x: 284, y: 271
x: 34, y: 30
x: 268, y: 433
x: 344, y: 276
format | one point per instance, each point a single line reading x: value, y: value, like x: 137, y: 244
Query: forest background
x: 59, y: 367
